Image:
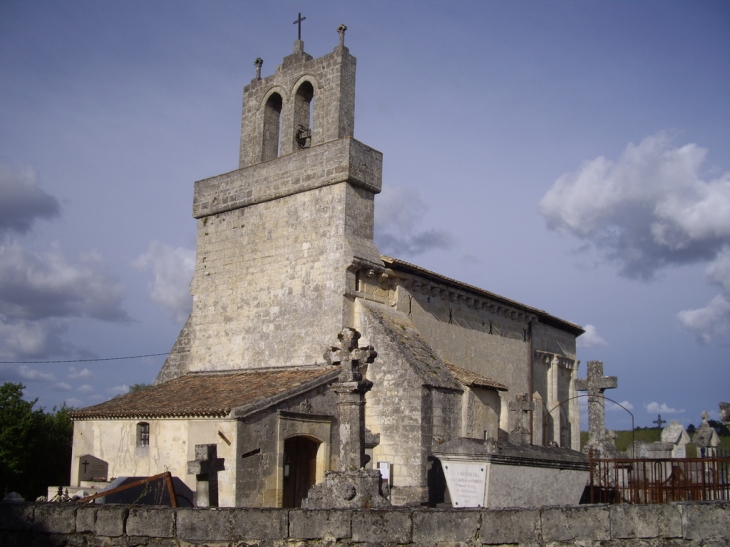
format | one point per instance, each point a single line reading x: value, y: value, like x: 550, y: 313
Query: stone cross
x: 205, y: 467
x: 612, y: 436
x: 595, y: 384
x: 341, y: 31
x: 659, y: 422
x: 520, y: 407
x: 351, y: 390
x: 258, y: 63
x: 299, y: 22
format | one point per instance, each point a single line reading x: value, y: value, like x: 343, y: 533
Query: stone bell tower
x: 282, y: 238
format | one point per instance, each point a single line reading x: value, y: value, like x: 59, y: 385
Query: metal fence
x: 658, y: 480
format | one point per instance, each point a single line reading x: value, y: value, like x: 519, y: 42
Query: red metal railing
x: 658, y: 480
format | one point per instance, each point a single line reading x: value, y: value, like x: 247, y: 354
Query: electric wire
x: 81, y: 360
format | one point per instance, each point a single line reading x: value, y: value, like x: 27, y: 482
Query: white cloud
x: 74, y: 402
x: 86, y: 388
x: 718, y: 273
x: 74, y: 374
x: 62, y: 386
x: 41, y: 285
x: 33, y: 375
x: 649, y: 209
x: 39, y: 292
x: 32, y: 339
x: 613, y: 407
x: 656, y: 408
x: 709, y: 324
x: 118, y: 390
x: 590, y: 338
x: 22, y: 201
x: 653, y: 208
x: 398, y: 212
x: 173, y: 269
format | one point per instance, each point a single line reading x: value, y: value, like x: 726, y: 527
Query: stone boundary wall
x: 672, y: 525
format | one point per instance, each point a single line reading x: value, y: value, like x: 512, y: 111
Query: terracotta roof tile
x: 469, y: 378
x: 203, y: 395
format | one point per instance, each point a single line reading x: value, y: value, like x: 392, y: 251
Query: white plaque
x: 466, y: 482
x: 384, y: 468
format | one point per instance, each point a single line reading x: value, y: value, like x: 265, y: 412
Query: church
x: 285, y: 260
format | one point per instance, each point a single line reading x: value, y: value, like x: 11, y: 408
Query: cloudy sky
x: 572, y: 155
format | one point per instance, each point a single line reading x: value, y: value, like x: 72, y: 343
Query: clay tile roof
x: 204, y: 395
x: 469, y: 378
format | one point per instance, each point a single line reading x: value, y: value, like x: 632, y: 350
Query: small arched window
x: 272, y: 123
x: 143, y: 434
x: 303, y: 122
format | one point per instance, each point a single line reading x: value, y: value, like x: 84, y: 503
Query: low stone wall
x: 678, y: 524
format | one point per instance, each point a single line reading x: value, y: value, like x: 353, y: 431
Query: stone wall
x: 680, y: 524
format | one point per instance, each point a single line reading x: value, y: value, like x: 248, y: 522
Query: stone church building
x: 286, y: 260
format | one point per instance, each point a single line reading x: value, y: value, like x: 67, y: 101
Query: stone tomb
x: 676, y: 435
x: 489, y: 473
x: 92, y: 469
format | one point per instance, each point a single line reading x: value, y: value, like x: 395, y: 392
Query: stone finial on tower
x: 258, y: 63
x: 341, y: 31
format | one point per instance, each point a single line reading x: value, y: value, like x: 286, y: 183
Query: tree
x: 35, y: 446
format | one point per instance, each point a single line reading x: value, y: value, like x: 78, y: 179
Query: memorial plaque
x: 91, y: 468
x: 466, y: 483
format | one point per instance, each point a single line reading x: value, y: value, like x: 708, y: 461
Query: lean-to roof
x: 204, y: 395
x: 471, y: 379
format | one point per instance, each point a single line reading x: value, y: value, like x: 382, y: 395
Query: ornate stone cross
x: 351, y: 390
x: 299, y: 22
x: 205, y: 467
x: 520, y: 406
x: 595, y: 384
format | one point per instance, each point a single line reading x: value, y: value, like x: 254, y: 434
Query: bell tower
x: 282, y: 238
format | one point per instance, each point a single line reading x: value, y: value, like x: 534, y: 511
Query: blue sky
x: 574, y: 156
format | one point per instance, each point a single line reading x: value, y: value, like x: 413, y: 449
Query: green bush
x: 35, y: 446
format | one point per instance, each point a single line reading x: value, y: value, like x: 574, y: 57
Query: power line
x: 80, y: 360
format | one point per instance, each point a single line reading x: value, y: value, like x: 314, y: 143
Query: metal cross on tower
x: 299, y: 22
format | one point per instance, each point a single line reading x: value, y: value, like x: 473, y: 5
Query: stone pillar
x: 351, y: 486
x: 595, y: 384
x: 519, y: 408
x: 538, y: 420
x: 351, y: 413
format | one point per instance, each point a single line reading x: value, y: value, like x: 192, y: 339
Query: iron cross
x: 659, y: 421
x: 299, y: 22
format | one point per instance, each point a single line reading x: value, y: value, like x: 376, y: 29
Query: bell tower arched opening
x: 272, y: 127
x: 303, y: 119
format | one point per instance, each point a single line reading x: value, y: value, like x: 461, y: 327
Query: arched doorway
x: 300, y: 469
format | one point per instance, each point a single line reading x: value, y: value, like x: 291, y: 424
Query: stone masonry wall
x: 681, y: 524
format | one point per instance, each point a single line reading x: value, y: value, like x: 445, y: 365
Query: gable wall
x: 172, y: 445
x: 260, y: 476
